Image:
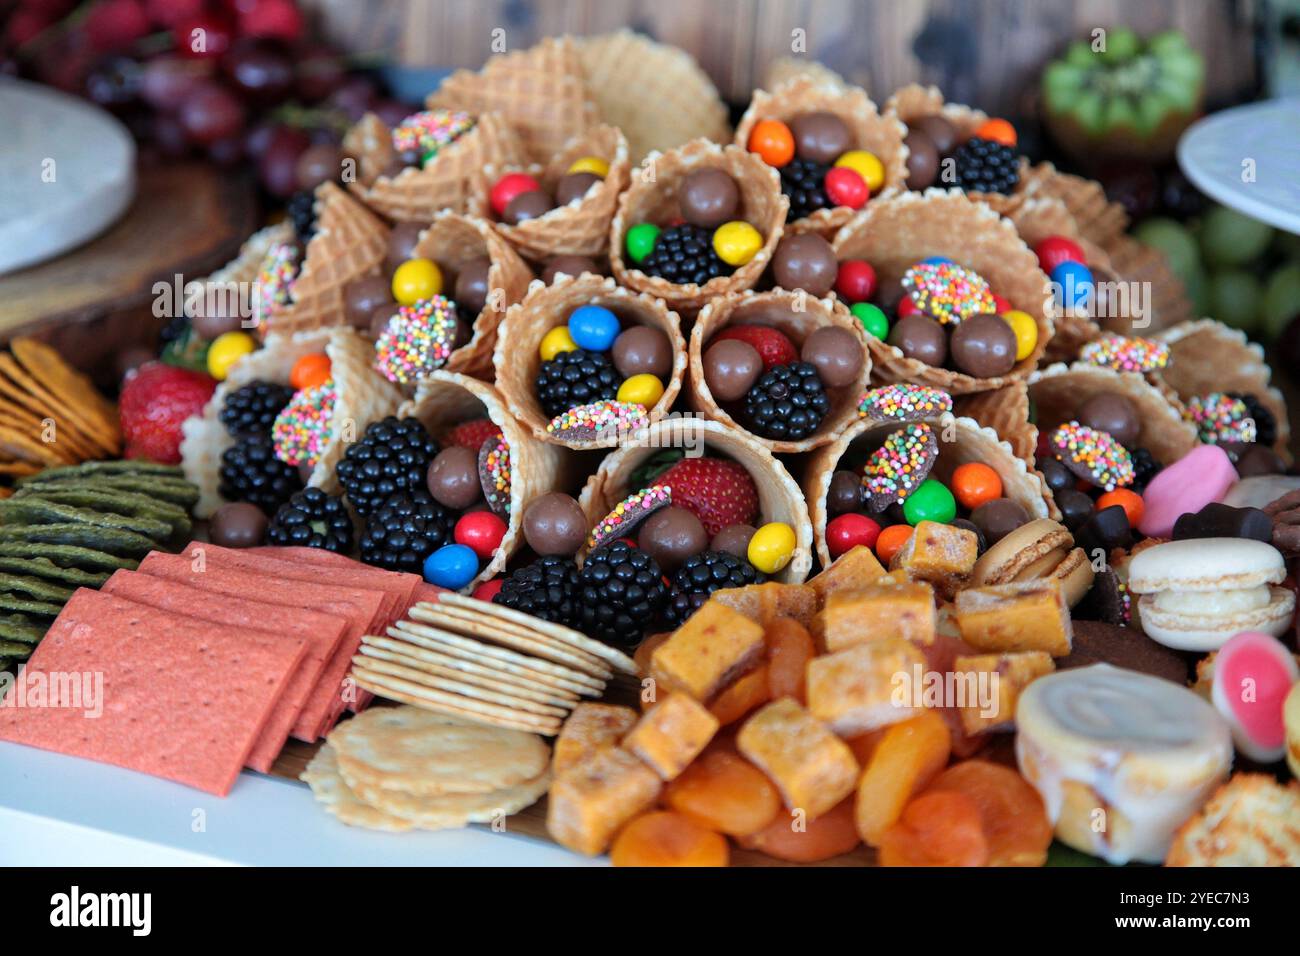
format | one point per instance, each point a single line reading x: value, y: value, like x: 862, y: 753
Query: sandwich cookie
x: 1039, y: 550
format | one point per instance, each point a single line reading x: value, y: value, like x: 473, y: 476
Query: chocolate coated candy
x: 453, y: 478
x: 730, y: 368
x: 1075, y: 506
x: 643, y: 350
x: 822, y: 137
x: 472, y: 288
x: 734, y: 539
x: 998, y: 518
x: 238, y: 525
x: 569, y: 265
x: 1104, y: 530
x: 836, y: 353
x: 554, y: 524
x: 401, y: 244
x: 709, y: 198
x: 362, y: 296
x: 980, y: 545
x: 1253, y: 459
x: 574, y: 186
x: 922, y: 160
x: 671, y: 535
x: 941, y: 133
x: 805, y: 261
x: 920, y: 338
x: 379, y: 317
x: 845, y: 493
x: 1057, y: 476
x: 526, y: 206
x: 984, y: 346
x: 1104, y: 602
x: 1218, y: 520
x: 1113, y: 414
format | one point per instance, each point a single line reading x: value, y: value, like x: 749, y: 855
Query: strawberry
x: 718, y: 492
x: 772, y: 345
x: 472, y: 434
x: 156, y: 399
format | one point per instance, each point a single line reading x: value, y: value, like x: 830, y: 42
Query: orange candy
x: 1015, y: 824
x: 1130, y: 501
x: 311, y: 370
x: 664, y: 838
x: 789, y: 649
x: 723, y: 791
x: 938, y: 828
x: 975, y: 483
x: 998, y: 130
x: 830, y: 834
x: 773, y: 142
x: 891, y: 540
x: 745, y: 694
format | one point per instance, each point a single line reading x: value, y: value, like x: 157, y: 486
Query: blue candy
x: 1073, y: 284
x: 593, y: 328
x: 937, y: 261
x: 452, y: 566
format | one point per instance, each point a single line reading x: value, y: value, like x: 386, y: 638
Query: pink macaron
x: 1200, y: 477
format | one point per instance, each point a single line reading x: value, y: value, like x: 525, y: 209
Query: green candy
x: 931, y: 501
x: 641, y: 240
x: 872, y: 318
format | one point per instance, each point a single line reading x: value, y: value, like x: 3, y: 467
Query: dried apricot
x: 723, y: 791
x: 830, y: 834
x: 938, y: 828
x: 740, y: 697
x: 909, y: 754
x: 1014, y: 820
x: 789, y: 649
x: 864, y: 745
x: 663, y: 838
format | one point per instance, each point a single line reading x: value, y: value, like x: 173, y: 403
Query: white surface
x: 62, y: 811
x: 1213, y: 150
x: 92, y: 161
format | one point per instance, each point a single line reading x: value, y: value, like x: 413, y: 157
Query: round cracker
x: 454, y: 685
x: 511, y: 635
x: 455, y: 704
x: 435, y: 637
x: 329, y: 789
x: 460, y: 670
x: 456, y: 712
x: 452, y: 810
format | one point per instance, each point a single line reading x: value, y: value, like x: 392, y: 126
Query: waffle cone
x: 452, y: 240
x: 1141, y: 265
x: 417, y: 194
x: 541, y: 92
x: 446, y: 399
x: 363, y: 397
x: 518, y: 357
x: 580, y: 228
x: 913, y: 102
x: 350, y: 242
x: 779, y: 498
x: 246, y: 265
x: 652, y: 197
x: 877, y: 134
x: 895, y: 232
x: 1207, y: 356
x: 786, y: 68
x: 806, y: 314
x: 962, y: 440
x: 1099, y: 220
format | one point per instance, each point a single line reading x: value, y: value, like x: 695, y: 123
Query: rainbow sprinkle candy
x: 494, y: 474
x: 904, y: 403
x: 589, y: 422
x: 305, y: 426
x: 417, y: 340
x: 1221, y: 419
x: 274, y: 277
x: 1093, y: 455
x: 948, y: 292
x: 897, y: 467
x: 628, y: 513
x: 428, y: 131
x: 1124, y: 354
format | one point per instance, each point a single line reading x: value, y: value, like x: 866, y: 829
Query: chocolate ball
x: 998, y: 518
x: 401, y: 244
x: 980, y: 544
x: 920, y: 338
x: 569, y: 265
x: 709, y: 197
x: 821, y: 137
x: 1057, y: 476
x: 730, y: 368
x: 734, y: 539
x: 942, y: 134
x: 526, y: 206
x: 574, y: 186
x: 922, y: 160
x: 1075, y: 506
x: 471, y: 293
x: 1255, y: 460
x: 836, y: 353
x: 554, y: 524
x: 1113, y: 414
x: 208, y: 324
x: 845, y: 493
x: 362, y: 296
x: 238, y: 524
x: 984, y: 346
x: 453, y: 478
x: 642, y: 350
x: 319, y: 164
x: 807, y: 262
x: 379, y: 317
x: 670, y: 536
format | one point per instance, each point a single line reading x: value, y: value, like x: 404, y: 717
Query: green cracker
x: 127, y: 466
x: 35, y: 510
x: 34, y: 588
x: 125, y: 503
x: 10, y: 603
x: 10, y: 649
x: 15, y: 627
x: 67, y: 555
x: 175, y: 491
x: 47, y: 569
x: 113, y: 540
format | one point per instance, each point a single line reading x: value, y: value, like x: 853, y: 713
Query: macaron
x: 1041, y: 549
x: 1252, y: 675
x: 1200, y: 477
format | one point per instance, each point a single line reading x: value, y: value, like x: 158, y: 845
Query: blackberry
x: 405, y: 530
x: 987, y: 166
x: 301, y: 210
x: 312, y: 519
x: 176, y: 328
x: 804, y: 182
x: 251, y: 410
x: 543, y: 589
x: 684, y: 254
x: 392, y: 455
x: 1145, y: 467
x: 702, y: 574
x: 251, y: 472
x: 787, y: 403
x: 620, y: 593
x: 1265, y: 423
x: 575, y: 378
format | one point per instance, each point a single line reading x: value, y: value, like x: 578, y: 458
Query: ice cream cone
x: 652, y: 197
x: 779, y: 498
x: 801, y: 315
x: 880, y: 135
x: 786, y: 68
x: 895, y: 232
x: 518, y: 357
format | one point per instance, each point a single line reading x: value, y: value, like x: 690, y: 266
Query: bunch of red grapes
x: 234, y: 81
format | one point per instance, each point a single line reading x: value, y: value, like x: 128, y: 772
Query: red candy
x: 772, y: 345
x: 845, y: 187
x: 850, y: 530
x: 488, y: 589
x: 481, y: 532
x: 856, y: 281
x: 508, y: 187
x: 1054, y: 250
x: 1002, y: 305
x: 974, y: 483
x: 907, y: 307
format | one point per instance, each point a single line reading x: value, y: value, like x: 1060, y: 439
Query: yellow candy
x: 556, y: 341
x: 1026, y: 329
x: 644, y: 389
x: 737, y: 242
x: 590, y: 164
x: 227, y: 349
x: 416, y: 279
x: 771, y: 547
x: 865, y: 165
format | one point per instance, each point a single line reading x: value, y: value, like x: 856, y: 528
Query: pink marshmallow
x: 1253, y: 673
x: 1200, y: 477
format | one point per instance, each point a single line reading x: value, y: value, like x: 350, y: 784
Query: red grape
x: 169, y: 79
x: 320, y: 72
x: 354, y: 97
x: 259, y: 137
x: 278, y: 167
x: 23, y: 26
x: 169, y: 13
x: 113, y: 82
x: 259, y: 70
x: 211, y: 112
x: 168, y: 136
x: 228, y: 151
x: 271, y: 19
x: 115, y: 24
x: 391, y: 112
x: 204, y: 36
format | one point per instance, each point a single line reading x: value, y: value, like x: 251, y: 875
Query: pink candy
x: 1200, y: 477
x: 1253, y: 673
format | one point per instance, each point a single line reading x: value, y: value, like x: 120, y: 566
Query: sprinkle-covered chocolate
x: 947, y: 292
x: 417, y: 340
x: 495, y: 474
x: 1093, y: 455
x: 898, y: 466
x: 1221, y: 419
x: 628, y: 513
x: 274, y: 277
x: 593, y: 422
x: 304, y: 426
x: 428, y: 131
x: 904, y: 403
x: 1124, y: 354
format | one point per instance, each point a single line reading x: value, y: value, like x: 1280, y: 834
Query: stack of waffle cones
x: 518, y: 357
x: 799, y: 316
x: 779, y: 498
x: 652, y: 197
x: 869, y: 130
